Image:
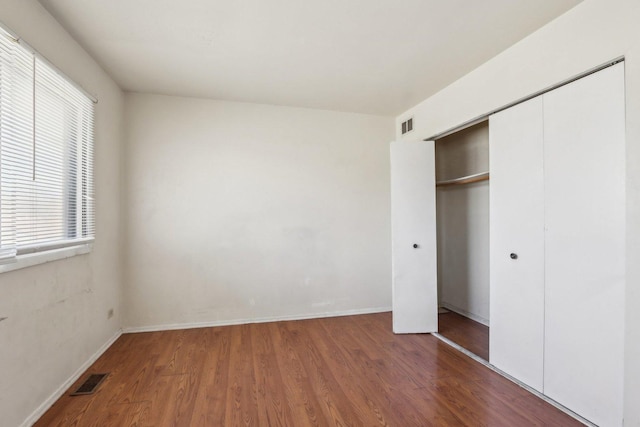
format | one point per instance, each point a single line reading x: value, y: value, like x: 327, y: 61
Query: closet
x: 462, y: 210
x: 556, y: 242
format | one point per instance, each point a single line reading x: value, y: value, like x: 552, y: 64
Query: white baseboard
x: 465, y: 313
x: 173, y: 326
x: 39, y: 412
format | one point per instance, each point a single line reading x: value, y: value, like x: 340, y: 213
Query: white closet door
x: 584, y: 155
x: 517, y: 242
x: 413, y: 226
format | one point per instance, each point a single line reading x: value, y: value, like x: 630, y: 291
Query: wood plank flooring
x: 465, y: 332
x: 343, y: 371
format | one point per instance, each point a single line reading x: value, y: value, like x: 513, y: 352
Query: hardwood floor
x: 343, y: 371
x: 465, y: 332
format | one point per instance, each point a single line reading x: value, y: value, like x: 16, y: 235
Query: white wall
x: 241, y: 212
x: 57, y: 312
x: 594, y: 32
x: 463, y: 249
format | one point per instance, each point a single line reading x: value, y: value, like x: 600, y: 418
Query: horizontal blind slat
x: 46, y: 154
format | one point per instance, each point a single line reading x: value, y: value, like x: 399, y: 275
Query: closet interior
x: 462, y: 211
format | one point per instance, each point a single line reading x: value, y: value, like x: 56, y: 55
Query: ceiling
x: 366, y: 56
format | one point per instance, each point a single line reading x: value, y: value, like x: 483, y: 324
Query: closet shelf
x: 482, y: 176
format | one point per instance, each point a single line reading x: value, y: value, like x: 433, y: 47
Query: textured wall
x: 242, y: 212
x: 57, y: 313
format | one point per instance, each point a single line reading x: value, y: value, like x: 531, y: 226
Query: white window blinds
x: 46, y: 156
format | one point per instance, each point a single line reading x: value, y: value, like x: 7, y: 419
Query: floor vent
x: 90, y: 385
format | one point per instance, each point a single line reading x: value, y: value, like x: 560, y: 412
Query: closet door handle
x: 513, y: 256
x: 415, y: 246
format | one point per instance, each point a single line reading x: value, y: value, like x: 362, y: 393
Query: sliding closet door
x: 517, y: 242
x: 413, y: 228
x: 584, y: 159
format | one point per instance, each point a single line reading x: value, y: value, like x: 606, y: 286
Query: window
x: 46, y: 156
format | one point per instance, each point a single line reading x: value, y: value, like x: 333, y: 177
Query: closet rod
x: 476, y: 177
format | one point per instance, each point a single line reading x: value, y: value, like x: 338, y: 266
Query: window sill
x: 29, y: 260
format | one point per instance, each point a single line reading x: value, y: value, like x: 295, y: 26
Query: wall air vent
x: 407, y: 126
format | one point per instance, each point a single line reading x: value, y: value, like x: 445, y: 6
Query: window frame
x: 81, y: 170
